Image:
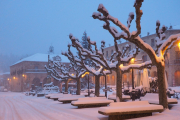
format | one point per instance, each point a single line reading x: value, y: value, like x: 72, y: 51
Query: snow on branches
x: 156, y: 56
x: 117, y: 58
x: 104, y: 15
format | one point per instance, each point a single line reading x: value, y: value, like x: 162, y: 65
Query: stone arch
x: 113, y: 80
x: 177, y: 78
x: 45, y: 81
x: 166, y: 75
x: 36, y: 81
x: 154, y: 74
x: 124, y: 78
x: 55, y: 82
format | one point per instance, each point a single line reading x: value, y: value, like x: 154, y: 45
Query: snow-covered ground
x: 17, y: 106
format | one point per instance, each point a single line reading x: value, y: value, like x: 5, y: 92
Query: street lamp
x: 22, y: 83
x: 105, y: 86
x: 88, y: 81
x: 132, y: 61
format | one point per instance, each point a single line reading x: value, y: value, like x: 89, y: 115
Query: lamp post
x: 132, y: 61
x: 88, y: 86
x: 105, y: 86
x: 8, y: 83
x: 22, y: 83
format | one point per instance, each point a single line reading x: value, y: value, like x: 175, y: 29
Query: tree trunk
x: 119, y: 85
x: 78, y: 87
x: 60, y: 86
x: 66, y: 85
x: 97, y: 87
x: 162, y: 86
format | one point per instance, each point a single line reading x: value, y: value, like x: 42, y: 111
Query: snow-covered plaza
x: 17, y: 106
x: 117, y: 76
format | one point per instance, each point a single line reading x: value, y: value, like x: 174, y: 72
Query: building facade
x: 4, y: 80
x: 30, y: 71
x: 172, y: 61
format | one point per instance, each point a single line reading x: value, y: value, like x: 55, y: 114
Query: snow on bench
x: 113, y: 97
x: 127, y: 110
x: 153, y: 98
x: 69, y: 99
x: 49, y: 95
x: 91, y: 102
x: 56, y: 97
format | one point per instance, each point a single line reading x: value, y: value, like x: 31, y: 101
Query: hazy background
x: 31, y: 26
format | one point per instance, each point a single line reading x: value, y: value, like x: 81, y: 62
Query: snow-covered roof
x: 177, y: 27
x: 6, y: 73
x: 40, y: 57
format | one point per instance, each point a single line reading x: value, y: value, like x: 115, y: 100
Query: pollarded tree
x: 157, y: 58
x: 74, y: 71
x: 52, y: 72
x: 92, y: 67
x: 111, y: 64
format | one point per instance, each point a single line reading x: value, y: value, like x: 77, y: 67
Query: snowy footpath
x: 17, y: 106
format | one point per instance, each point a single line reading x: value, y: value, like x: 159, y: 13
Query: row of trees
x: 91, y: 59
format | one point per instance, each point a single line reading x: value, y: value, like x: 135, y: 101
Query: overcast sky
x: 31, y: 26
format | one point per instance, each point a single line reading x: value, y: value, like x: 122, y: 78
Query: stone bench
x: 124, y: 97
x: 127, y: 110
x: 49, y: 95
x: 56, y: 97
x: 69, y: 99
x: 40, y: 94
x: 153, y: 98
x: 91, y: 102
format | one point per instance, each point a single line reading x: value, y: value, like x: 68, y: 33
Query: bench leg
x: 128, y: 116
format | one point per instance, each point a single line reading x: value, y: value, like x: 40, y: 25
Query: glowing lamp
x: 23, y: 75
x: 14, y: 78
x: 8, y: 79
x: 132, y: 60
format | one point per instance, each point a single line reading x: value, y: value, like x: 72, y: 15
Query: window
x: 36, y: 68
x: 122, y: 48
x: 177, y: 54
x: 112, y: 52
x: 152, y: 43
x: 144, y: 58
x: 106, y: 53
x: 129, y: 47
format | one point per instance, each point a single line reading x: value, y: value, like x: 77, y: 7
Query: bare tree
x: 114, y: 63
x: 74, y: 71
x: 92, y: 67
x: 156, y: 56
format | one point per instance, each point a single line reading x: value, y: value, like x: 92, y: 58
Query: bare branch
x: 146, y: 64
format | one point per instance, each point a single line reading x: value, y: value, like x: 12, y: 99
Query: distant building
x: 4, y: 80
x: 172, y: 59
x: 30, y: 70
